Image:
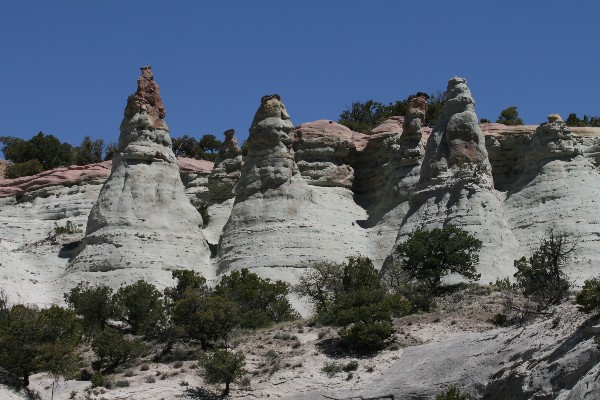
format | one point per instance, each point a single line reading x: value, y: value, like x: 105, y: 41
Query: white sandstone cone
x: 456, y: 186
x: 142, y: 219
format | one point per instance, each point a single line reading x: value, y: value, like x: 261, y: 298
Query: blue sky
x: 67, y: 67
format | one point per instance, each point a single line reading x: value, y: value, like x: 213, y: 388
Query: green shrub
x: 351, y: 366
x: 260, y: 302
x: 223, y: 366
x: 122, y: 383
x: 141, y: 305
x: 541, y: 276
x: 429, y: 255
x: 99, y: 380
x: 366, y: 337
x: 95, y: 304
x: 113, y: 350
x: 504, y: 285
x: 589, y: 297
x: 68, y: 229
x: 332, y: 368
x: 27, y: 168
x: 204, y: 317
x: 33, y: 340
x: 510, y: 116
x: 451, y: 393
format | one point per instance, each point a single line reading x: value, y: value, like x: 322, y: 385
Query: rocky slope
x: 320, y: 192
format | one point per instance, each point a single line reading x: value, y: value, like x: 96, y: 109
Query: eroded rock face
x: 324, y: 151
x: 411, y: 139
x: 558, y: 189
x: 227, y: 169
x: 142, y: 218
x: 456, y: 140
x: 456, y: 186
x: 279, y: 222
x: 270, y: 161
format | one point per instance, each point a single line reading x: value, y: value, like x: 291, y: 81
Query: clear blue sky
x: 67, y: 67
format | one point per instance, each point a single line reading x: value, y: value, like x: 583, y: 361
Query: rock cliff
x: 142, y: 219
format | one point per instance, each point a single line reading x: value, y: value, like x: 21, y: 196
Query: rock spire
x: 456, y: 186
x: 270, y: 160
x: 142, y: 218
x: 226, y: 172
x: 456, y: 142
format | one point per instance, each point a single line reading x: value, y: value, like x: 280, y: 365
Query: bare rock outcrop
x: 558, y: 188
x: 142, y: 218
x: 323, y: 151
x: 279, y: 221
x: 65, y: 176
x: 456, y: 187
x: 411, y: 139
x: 227, y: 169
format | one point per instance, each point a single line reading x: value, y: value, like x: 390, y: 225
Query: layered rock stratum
x: 143, y: 219
x: 321, y: 192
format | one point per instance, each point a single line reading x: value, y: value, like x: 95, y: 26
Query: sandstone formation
x: 410, y: 141
x: 456, y: 186
x: 142, y: 219
x: 278, y: 220
x: 558, y: 188
x: 226, y: 171
x: 66, y: 176
x: 323, y: 151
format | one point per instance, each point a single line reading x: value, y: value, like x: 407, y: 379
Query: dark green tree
x: 95, y: 304
x: 26, y: 168
x: 33, y: 341
x: 186, y: 146
x: 589, y: 297
x: 186, y: 280
x: 541, y: 276
x: 223, y: 366
x: 110, y: 151
x: 427, y: 256
x: 47, y: 149
x: 210, y: 146
x: 113, y: 350
x: 89, y: 151
x: 141, y: 306
x: 260, y: 302
x: 321, y: 285
x: 510, y: 116
x: 203, y: 317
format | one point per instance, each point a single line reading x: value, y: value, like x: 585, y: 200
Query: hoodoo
x: 278, y: 221
x: 142, y: 218
x: 226, y: 172
x: 456, y: 185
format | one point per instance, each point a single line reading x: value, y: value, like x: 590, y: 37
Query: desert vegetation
x: 359, y: 312
x: 364, y: 116
x: 44, y: 152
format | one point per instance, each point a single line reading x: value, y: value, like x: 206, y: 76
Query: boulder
x: 142, y: 219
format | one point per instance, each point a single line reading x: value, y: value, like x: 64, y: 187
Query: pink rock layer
x: 67, y: 176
